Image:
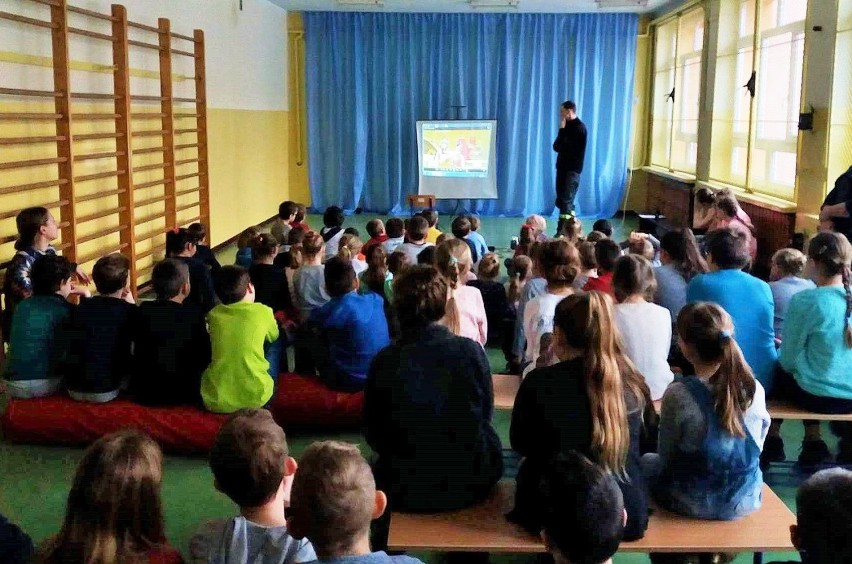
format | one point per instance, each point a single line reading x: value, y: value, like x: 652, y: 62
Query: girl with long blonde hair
x: 465, y: 315
x: 593, y: 401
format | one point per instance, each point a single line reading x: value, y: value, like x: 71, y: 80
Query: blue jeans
x: 273, y: 352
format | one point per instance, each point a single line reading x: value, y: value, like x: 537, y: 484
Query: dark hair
x: 246, y: 237
x: 339, y: 277
x: 373, y: 228
x: 832, y: 254
x: 286, y: 209
x: 604, y: 226
x: 352, y: 231
x: 264, y: 245
x: 29, y: 222
x: 521, y: 269
x: 727, y: 204
x: 431, y: 217
x: 728, y: 248
x: 398, y: 261
x: 395, y: 228
x: 197, y: 231
x: 489, y: 266
x: 461, y: 227
x: 526, y: 236
x: 708, y: 329
x: 231, y: 283
x: 475, y: 223
x: 571, y: 229
x: 49, y: 272
x: 177, y: 240
x: 559, y: 261
x: 427, y: 255
x: 110, y: 273
x: 248, y: 457
x: 333, y: 217
x: 680, y: 244
x: 633, y: 274
x: 296, y: 236
x: 607, y: 252
x: 824, y: 517
x: 595, y: 236
x: 168, y: 277
x: 569, y: 105
x: 377, y: 269
x: 705, y: 196
x: 584, y: 516
x: 301, y: 211
x: 586, y: 250
x: 419, y: 296
x: 418, y: 228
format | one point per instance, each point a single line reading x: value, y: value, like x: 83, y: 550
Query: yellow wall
x: 297, y: 159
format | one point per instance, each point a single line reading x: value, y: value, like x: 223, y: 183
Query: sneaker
x: 773, y: 451
x: 814, y: 453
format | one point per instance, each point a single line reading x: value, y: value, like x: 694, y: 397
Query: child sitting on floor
x: 607, y: 252
x: 333, y: 503
x: 171, y: 347
x: 299, y: 220
x: 102, y: 334
x: 526, y: 237
x: 38, y: 346
x: 244, y: 251
x: 520, y: 274
x: 603, y: 226
x: 499, y: 312
x: 787, y: 280
x: 461, y: 230
x: 465, y: 315
x: 536, y: 286
x: 712, y: 426
x: 180, y: 246
x: 271, y: 289
x: 198, y: 233
x: 308, y: 278
x: 588, y: 264
x: 475, y: 237
x: 432, y: 219
x: 350, y: 249
x: 286, y: 217
x: 395, y: 235
x: 332, y: 230
x: 238, y: 375
x: 377, y: 278
x: 398, y: 262
x: 376, y: 231
x: 114, y: 511
x: 571, y: 229
x: 251, y: 465
x: 418, y: 230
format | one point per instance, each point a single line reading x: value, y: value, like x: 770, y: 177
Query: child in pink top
x: 729, y: 214
x: 465, y: 315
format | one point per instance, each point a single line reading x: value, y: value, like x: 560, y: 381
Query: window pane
x: 688, y: 75
x: 665, y: 54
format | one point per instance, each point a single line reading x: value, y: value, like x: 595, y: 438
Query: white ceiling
x: 543, y: 6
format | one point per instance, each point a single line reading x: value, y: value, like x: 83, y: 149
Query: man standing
x: 570, y: 146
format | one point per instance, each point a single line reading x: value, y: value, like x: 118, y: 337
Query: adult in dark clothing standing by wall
x: 836, y: 211
x: 570, y: 146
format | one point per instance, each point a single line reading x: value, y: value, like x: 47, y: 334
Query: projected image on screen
x: 456, y: 150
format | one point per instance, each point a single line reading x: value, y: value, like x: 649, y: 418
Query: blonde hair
x: 489, y: 266
x: 453, y: 261
x: 311, y: 246
x: 349, y: 247
x: 790, y: 262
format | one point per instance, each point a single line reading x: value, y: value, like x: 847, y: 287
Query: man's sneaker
x: 814, y: 453
x: 773, y: 451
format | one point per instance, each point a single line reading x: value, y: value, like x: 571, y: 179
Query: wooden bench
x: 505, y: 389
x: 786, y: 410
x: 484, y: 528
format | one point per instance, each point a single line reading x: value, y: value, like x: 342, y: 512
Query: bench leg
x: 758, y: 558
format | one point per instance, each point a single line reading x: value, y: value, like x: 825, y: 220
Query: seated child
x: 418, y: 229
x: 475, y: 237
x: 238, y: 375
x: 395, y: 235
x: 198, y: 233
x: 585, y: 517
x: 704, y: 210
x: 465, y: 315
x: 712, y: 426
x: 120, y: 475
x: 244, y: 252
x: 680, y: 260
x: 38, y: 345
x: 539, y: 224
x: 571, y: 229
x: 536, y: 286
x: 352, y: 329
x: 251, y: 465
x: 271, y: 289
x: 603, y: 226
x: 308, y: 278
x: 499, y: 312
x: 334, y: 501
x: 461, y: 230
x: 526, y: 237
x: 286, y: 217
x: 284, y: 259
x: 645, y: 327
x: 595, y: 236
x: 427, y: 256
x: 398, y: 262
x: 729, y: 215
x: 300, y: 220
x: 16, y: 547
x: 99, y: 359
x: 644, y: 245
x: 607, y: 252
x: 588, y: 264
x: 520, y: 273
x: 432, y: 219
x: 376, y: 231
x: 787, y: 280
x: 332, y: 231
x: 180, y: 246
x: 377, y: 278
x: 171, y: 347
x: 350, y: 249
x: 352, y: 231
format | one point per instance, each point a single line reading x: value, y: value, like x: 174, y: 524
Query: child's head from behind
x: 418, y: 229
x: 489, y: 267
x: 310, y: 248
x: 398, y: 262
x: 250, y: 458
x: 705, y: 197
x: 603, y: 226
x: 460, y: 227
x: 349, y: 246
x: 522, y: 267
x: 679, y: 247
x: 170, y: 279
x: 454, y: 261
x: 264, y: 246
x: 560, y: 263
x: 179, y: 243
x: 395, y: 228
x: 333, y: 217
x: 830, y: 255
x: 375, y: 228
x: 727, y: 204
x: 339, y: 277
x: 727, y: 249
x: 824, y: 518
x: 427, y: 255
x: 198, y: 232
x: 527, y: 235
x: 419, y: 297
x: 585, y: 516
x: 287, y: 211
x: 334, y: 499
x: 52, y: 274
x: 586, y: 249
x: 431, y: 217
x: 607, y: 252
x: 296, y: 236
x: 247, y: 237
x: 571, y: 229
x: 788, y: 262
x: 114, y: 509
x: 642, y: 248
x: 32, y: 222
x: 233, y: 284
x: 301, y: 212
x: 633, y: 276
x: 475, y: 222
x: 538, y: 223
x: 595, y: 236
x: 111, y: 273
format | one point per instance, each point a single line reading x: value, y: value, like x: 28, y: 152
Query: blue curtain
x: 371, y: 76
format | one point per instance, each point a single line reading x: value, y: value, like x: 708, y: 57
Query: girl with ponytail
x: 350, y: 249
x: 713, y: 425
x: 680, y: 260
x: 465, y: 314
x: 593, y: 401
x: 309, y: 278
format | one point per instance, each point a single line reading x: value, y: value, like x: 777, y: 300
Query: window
x: 757, y: 94
x: 678, y: 49
x: 840, y: 126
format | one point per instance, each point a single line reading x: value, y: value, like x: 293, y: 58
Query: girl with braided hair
x: 816, y: 351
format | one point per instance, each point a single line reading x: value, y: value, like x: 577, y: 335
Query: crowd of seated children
x: 251, y: 464
x: 748, y: 300
x: 645, y: 327
x: 428, y: 406
x: 181, y: 246
x: 38, y: 343
x: 244, y: 256
x: 465, y: 312
x: 592, y: 401
x: 376, y: 231
x: 350, y: 249
x: 239, y: 374
x: 607, y: 252
x: 680, y: 260
x: 588, y: 264
x: 101, y: 338
x: 203, y: 252
x: 284, y: 223
x: 536, y: 286
x: 476, y: 237
x: 332, y: 231
x: 431, y: 216
x: 170, y: 340
x: 787, y: 278
x: 559, y: 264
x: 346, y: 333
x: 418, y: 230
x: 114, y: 511
x: 309, y: 278
x: 334, y: 500
x: 499, y: 312
x: 461, y: 231
x: 712, y: 425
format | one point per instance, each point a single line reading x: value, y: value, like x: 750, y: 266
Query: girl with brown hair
x: 499, y: 311
x: 309, y: 278
x: 465, y: 314
x: 713, y: 425
x: 681, y: 260
x: 593, y: 401
x: 114, y: 512
x: 350, y: 249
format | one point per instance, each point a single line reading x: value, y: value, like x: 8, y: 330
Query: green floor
x: 34, y: 481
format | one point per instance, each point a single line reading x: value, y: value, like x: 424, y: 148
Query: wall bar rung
x: 150, y: 201
x: 99, y: 234
x: 187, y: 191
x: 95, y: 156
x: 184, y: 53
x: 29, y: 163
x: 51, y: 205
x: 37, y: 116
x: 94, y: 117
x: 148, y: 150
x: 141, y: 98
x: 92, y: 34
x: 27, y: 92
x: 143, y: 44
x: 184, y: 37
x: 187, y: 146
x: 149, y: 218
x: 99, y: 175
x: 184, y: 131
x: 47, y: 2
x: 185, y: 176
x: 90, y: 13
x: 92, y: 96
x: 155, y: 166
x: 143, y: 27
x: 184, y: 115
x: 98, y: 254
x: 193, y: 100
x: 146, y: 115
x: 193, y: 220
x: 33, y: 186
x: 30, y: 140
x: 26, y: 20
x: 188, y: 206
x: 99, y: 195
x: 98, y: 215
x: 93, y: 136
x: 152, y: 133
x: 187, y: 161
x: 152, y: 183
